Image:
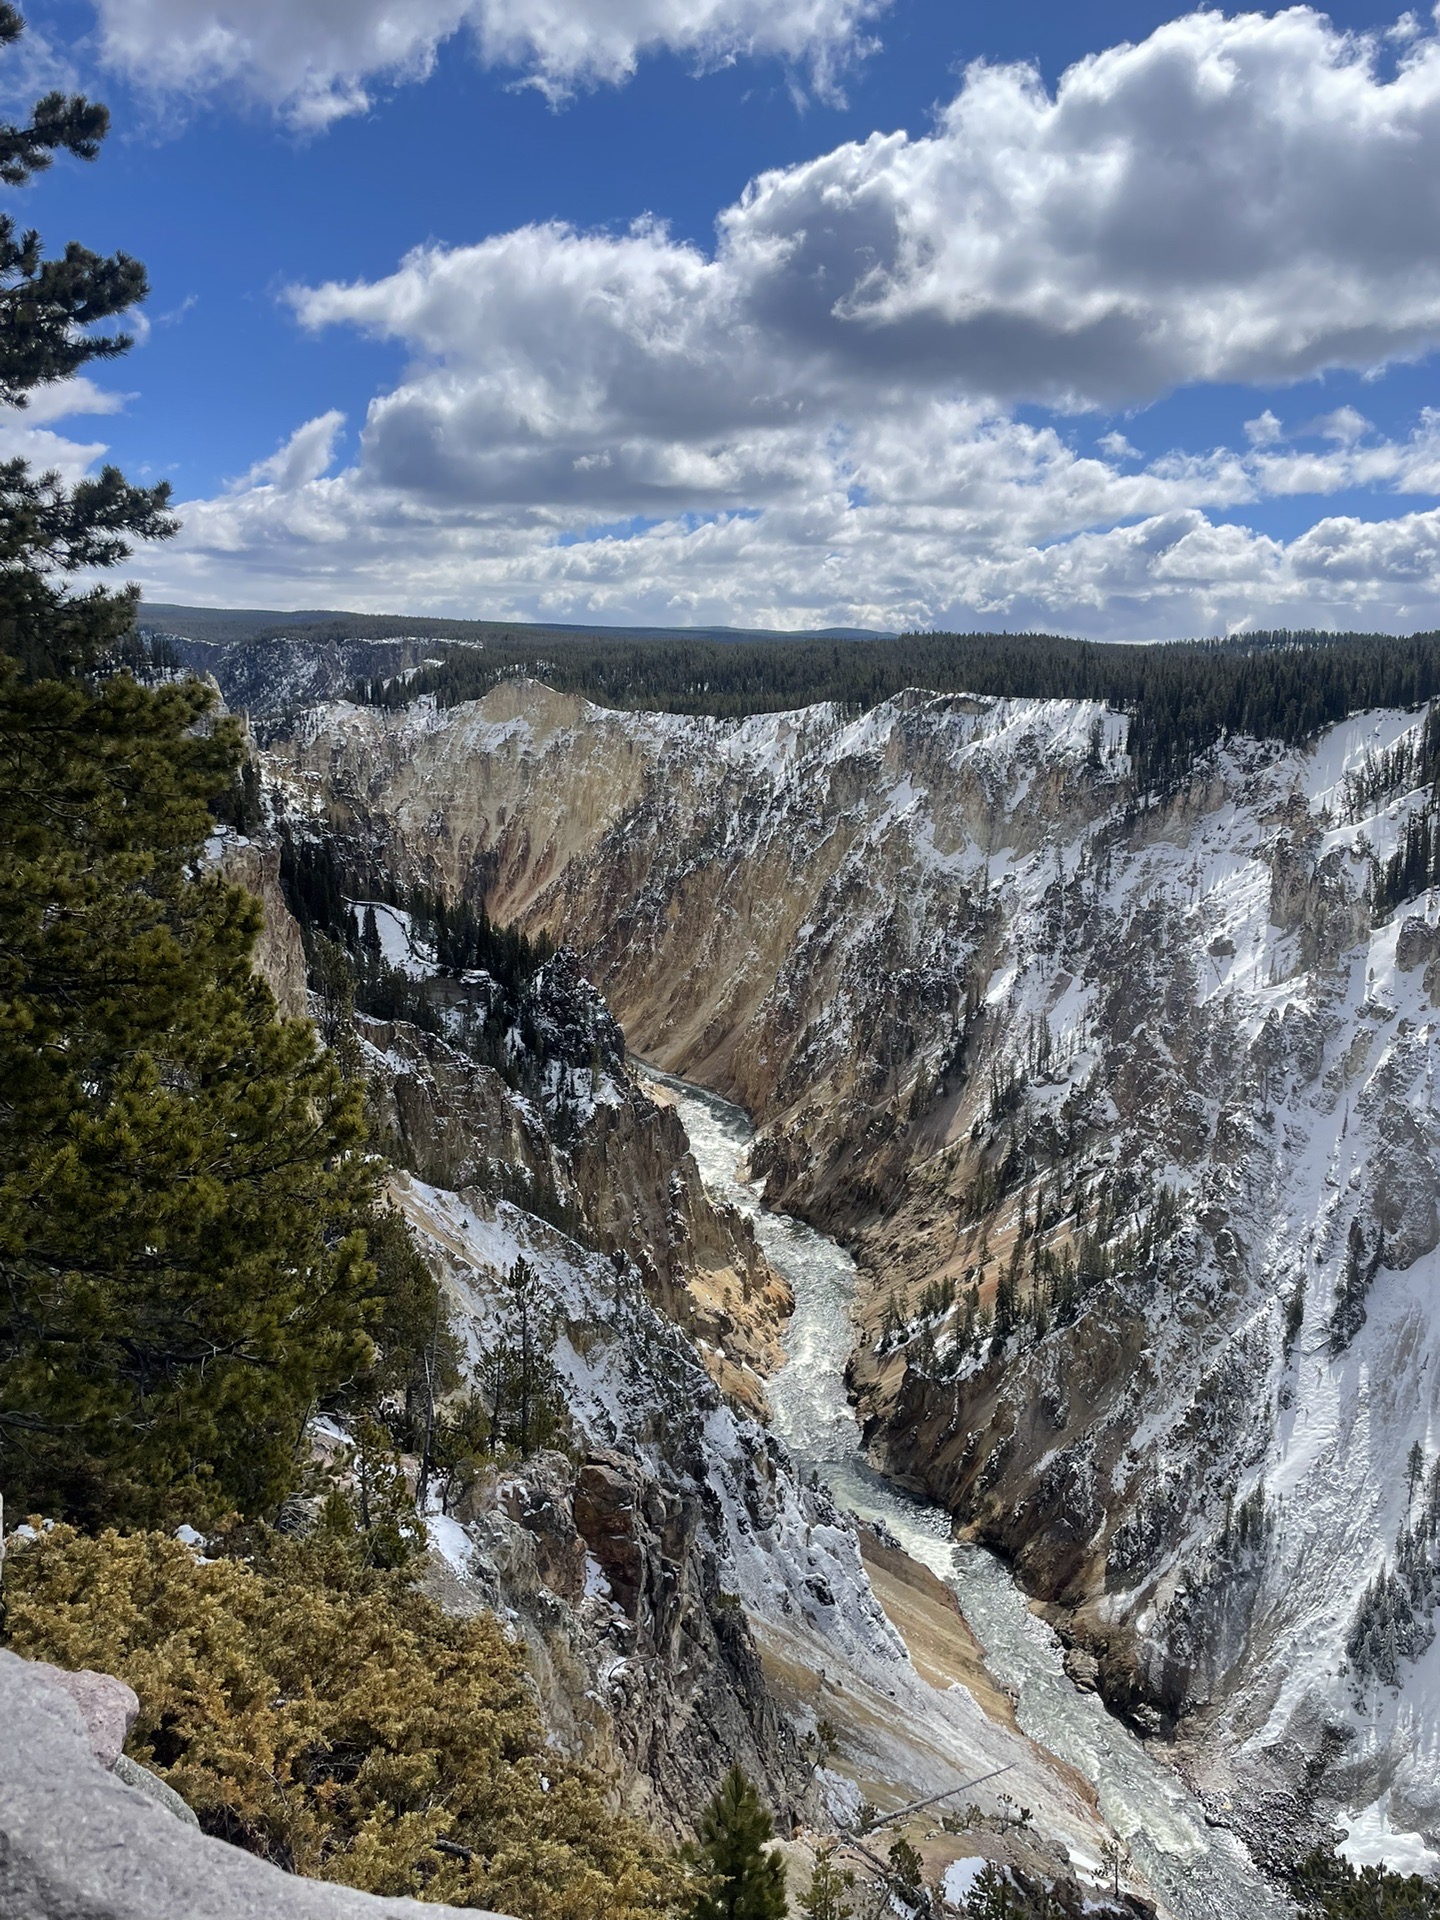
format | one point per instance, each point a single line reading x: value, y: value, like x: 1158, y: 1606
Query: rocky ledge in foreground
x: 76, y: 1843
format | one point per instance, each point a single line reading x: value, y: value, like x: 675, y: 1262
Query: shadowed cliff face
x: 1126, y: 1109
x: 789, y: 909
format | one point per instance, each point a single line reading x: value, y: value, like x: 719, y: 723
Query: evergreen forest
x: 1182, y: 697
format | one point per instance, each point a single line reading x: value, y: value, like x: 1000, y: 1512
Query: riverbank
x: 1196, y: 1872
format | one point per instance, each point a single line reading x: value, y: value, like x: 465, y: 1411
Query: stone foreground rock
x: 107, y: 1706
x: 77, y: 1844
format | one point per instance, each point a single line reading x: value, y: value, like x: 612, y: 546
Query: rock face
x: 274, y: 676
x: 612, y: 1559
x: 1139, y: 1070
x: 789, y: 909
x: 107, y: 1706
x: 279, y: 955
x: 592, y: 1152
x: 612, y: 1569
x: 78, y: 1844
x: 686, y: 1600
x: 588, y: 1146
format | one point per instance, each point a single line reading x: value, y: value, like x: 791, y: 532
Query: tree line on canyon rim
x: 194, y: 1258
x: 1182, y: 697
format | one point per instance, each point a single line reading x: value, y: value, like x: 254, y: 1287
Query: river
x: 1198, y: 1872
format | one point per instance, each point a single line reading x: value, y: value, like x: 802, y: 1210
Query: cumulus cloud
x: 318, y: 60
x: 815, y: 420
x: 1345, y: 425
x: 1264, y: 430
x: 1248, y: 199
x: 63, y: 399
x: 1239, y: 200
x: 1171, y: 574
x: 982, y: 521
x: 308, y: 452
x: 45, y: 450
x: 27, y: 433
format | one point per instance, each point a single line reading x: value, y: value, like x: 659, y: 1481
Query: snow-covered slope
x: 722, y: 1608
x: 1143, y: 1070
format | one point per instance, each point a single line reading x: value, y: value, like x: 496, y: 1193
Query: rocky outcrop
x: 587, y: 1145
x: 279, y: 953
x: 611, y: 1567
x: 273, y: 676
x: 77, y: 1843
x: 108, y: 1707
x: 611, y: 1560
x: 589, y: 1149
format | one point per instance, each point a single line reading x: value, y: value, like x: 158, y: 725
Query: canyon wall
x: 1137, y: 1070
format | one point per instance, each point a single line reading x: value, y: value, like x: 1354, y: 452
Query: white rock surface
x: 77, y: 1844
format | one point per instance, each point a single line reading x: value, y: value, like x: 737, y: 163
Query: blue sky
x: 1139, y: 347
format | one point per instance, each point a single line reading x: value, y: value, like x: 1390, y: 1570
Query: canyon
x: 1120, y: 1100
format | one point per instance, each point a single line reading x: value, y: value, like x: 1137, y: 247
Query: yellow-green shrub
x: 334, y: 1720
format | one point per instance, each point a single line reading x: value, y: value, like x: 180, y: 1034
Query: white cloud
x: 46, y: 451
x: 1264, y: 430
x: 34, y: 65
x: 318, y: 60
x: 63, y: 399
x: 1171, y: 574
x: 1238, y: 200
x: 308, y: 452
x: 1247, y: 199
x: 816, y: 421
x: 977, y: 521
x: 311, y: 58
x: 563, y: 44
x: 1345, y: 425
x: 26, y: 433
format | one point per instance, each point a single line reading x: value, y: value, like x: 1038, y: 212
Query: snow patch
x: 1370, y: 1841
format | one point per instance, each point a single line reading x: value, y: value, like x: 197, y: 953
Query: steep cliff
x: 1124, y: 1102
x: 688, y: 1599
x: 589, y: 1150
x: 279, y: 953
x: 789, y: 909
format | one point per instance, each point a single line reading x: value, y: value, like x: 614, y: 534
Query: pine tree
x: 48, y: 311
x: 370, y: 941
x: 1414, y: 1469
x: 1348, y: 1315
x: 993, y: 1896
x: 376, y: 1517
x: 182, y: 1200
x: 827, y: 1897
x: 907, y: 1873
x: 528, y: 1405
x: 747, y: 1881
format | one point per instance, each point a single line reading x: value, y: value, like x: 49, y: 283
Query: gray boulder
x: 76, y: 1843
x: 107, y: 1706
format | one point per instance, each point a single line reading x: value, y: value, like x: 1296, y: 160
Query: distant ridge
x: 225, y: 625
